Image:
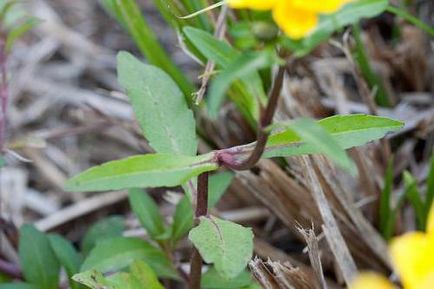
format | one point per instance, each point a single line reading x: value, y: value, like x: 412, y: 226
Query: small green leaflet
x: 313, y: 134
x: 144, y: 273
x: 159, y: 106
x: 103, y: 229
x: 247, y: 93
x: 67, y: 256
x: 19, y: 30
x: 240, y: 68
x: 348, y: 131
x: 227, y: 245
x: 148, y: 213
x: 151, y: 170
x: 117, y: 253
x: 38, y: 261
x: 211, y: 279
x: 2, y: 161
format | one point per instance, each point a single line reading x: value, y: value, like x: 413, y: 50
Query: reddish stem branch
x: 266, y: 119
x: 201, y: 210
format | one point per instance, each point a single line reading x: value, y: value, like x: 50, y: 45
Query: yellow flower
x: 413, y: 258
x: 297, y: 18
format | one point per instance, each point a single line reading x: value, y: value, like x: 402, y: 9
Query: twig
x: 266, y: 119
x: 201, y: 210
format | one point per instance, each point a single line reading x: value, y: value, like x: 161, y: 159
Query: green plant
x: 421, y: 203
x: 161, y: 98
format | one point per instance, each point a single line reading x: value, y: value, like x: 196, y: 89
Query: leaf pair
x: 41, y: 257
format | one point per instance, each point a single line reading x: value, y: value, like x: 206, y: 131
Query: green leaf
x: 146, y: 276
x: 67, y: 256
x: 183, y: 216
x: 241, y: 67
x: 386, y: 212
x: 151, y: 170
x: 227, y: 245
x: 349, y: 14
x: 212, y: 280
x: 348, y: 131
x: 248, y: 93
x: 128, y: 13
x: 315, y: 135
x: 124, y: 280
x: 217, y: 186
x: 19, y: 30
x: 429, y: 188
x: 213, y: 49
x: 159, y: 105
x: 117, y: 253
x: 94, y: 280
x: 18, y: 285
x: 365, y: 67
x: 38, y: 262
x: 104, y: 229
x: 182, y: 219
x: 413, y: 195
x: 2, y: 161
x: 147, y: 211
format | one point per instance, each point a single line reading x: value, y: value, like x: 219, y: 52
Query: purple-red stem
x: 226, y: 159
x: 266, y: 119
x: 201, y: 210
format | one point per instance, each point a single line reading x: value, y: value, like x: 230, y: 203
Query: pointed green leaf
x: 315, y: 135
x: 146, y: 276
x: 159, y: 106
x: 93, y: 279
x: 213, y: 280
x: 38, y: 261
x: 128, y: 13
x: 117, y: 253
x: 348, y: 131
x: 227, y: 245
x: 247, y: 93
x: 124, y: 280
x: 19, y: 30
x: 413, y: 195
x: 103, y: 229
x: 240, y: 68
x: 67, y: 256
x: 147, y: 211
x: 429, y: 188
x: 151, y: 170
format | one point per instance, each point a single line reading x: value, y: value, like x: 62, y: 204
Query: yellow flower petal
x: 252, y: 4
x: 371, y: 281
x: 296, y: 23
x: 430, y: 223
x: 320, y: 6
x: 413, y: 257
